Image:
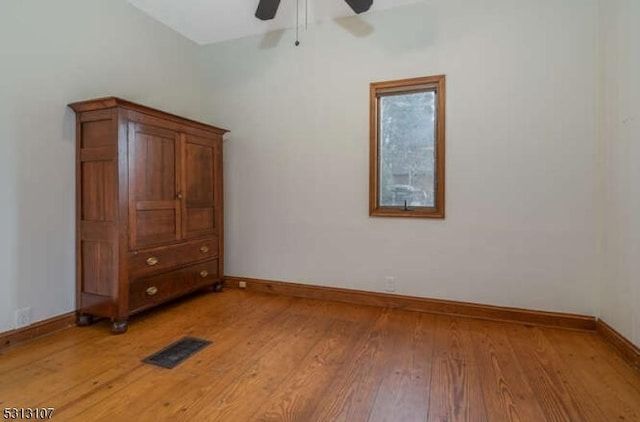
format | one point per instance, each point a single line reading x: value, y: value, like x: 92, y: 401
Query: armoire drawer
x: 149, y: 261
x: 146, y: 292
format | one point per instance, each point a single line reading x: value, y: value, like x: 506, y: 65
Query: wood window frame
x: 380, y: 89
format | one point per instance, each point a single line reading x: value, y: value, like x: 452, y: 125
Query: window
x: 406, y: 176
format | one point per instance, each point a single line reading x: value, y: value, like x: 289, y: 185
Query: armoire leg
x: 82, y: 320
x: 119, y: 326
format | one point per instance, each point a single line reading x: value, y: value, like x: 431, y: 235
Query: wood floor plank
x: 350, y: 396
x: 455, y: 393
x: 292, y: 359
x: 300, y: 394
x: 403, y: 392
x: 559, y: 393
x: 260, y: 377
x: 39, y: 348
x: 606, y: 352
x: 506, y: 392
x: 589, y: 368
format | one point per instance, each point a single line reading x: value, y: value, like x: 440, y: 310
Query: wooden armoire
x: 149, y: 211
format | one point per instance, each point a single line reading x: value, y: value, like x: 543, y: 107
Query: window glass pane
x: 406, y: 147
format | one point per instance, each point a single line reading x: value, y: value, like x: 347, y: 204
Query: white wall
x: 620, y: 26
x: 523, y: 224
x: 52, y: 53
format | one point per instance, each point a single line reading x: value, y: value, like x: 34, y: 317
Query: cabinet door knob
x: 204, y: 249
x: 179, y: 195
x: 204, y: 273
x: 151, y: 261
x: 151, y: 291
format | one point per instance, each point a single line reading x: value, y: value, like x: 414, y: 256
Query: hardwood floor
x: 277, y: 358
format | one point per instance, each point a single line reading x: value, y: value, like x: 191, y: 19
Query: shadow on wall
x: 271, y: 39
x: 355, y: 25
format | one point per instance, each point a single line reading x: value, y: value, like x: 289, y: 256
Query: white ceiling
x: 209, y: 21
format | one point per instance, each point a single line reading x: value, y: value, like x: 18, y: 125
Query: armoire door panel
x: 199, y: 172
x: 154, y: 227
x: 199, y: 185
x: 199, y: 221
x: 154, y: 169
x: 155, y: 160
x: 155, y: 205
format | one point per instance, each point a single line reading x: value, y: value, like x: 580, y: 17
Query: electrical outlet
x: 390, y: 284
x: 242, y: 284
x: 23, y: 317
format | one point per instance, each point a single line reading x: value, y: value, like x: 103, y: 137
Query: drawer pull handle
x: 204, y: 273
x: 204, y: 249
x: 151, y: 261
x: 151, y: 291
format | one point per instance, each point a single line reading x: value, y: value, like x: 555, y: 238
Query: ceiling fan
x: 267, y: 8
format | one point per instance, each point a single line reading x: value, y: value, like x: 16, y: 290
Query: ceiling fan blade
x: 359, y: 6
x: 267, y: 9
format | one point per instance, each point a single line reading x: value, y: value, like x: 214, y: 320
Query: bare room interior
x: 202, y: 218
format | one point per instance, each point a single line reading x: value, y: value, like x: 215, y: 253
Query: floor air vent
x: 175, y: 353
